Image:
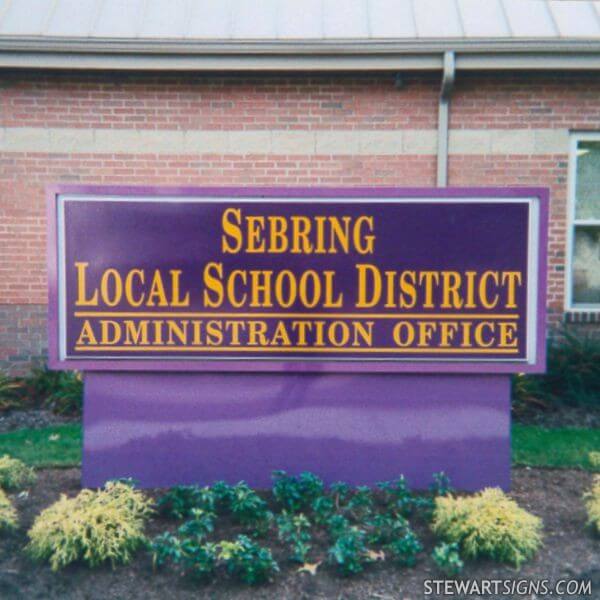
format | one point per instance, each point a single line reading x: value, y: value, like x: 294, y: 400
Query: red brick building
x: 360, y: 92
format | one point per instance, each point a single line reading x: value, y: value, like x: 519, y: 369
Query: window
x: 583, y: 274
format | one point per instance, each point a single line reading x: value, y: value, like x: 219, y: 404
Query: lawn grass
x: 56, y: 446
x: 564, y: 448
x: 531, y: 446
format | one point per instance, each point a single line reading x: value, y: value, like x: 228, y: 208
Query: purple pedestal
x: 182, y: 428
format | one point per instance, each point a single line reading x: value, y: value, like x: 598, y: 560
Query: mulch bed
x: 552, y: 417
x: 560, y: 416
x: 570, y: 551
x: 32, y: 419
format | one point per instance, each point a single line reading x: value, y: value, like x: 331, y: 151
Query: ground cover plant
x: 341, y: 529
x: 246, y: 561
x: 294, y: 530
x: 349, y: 552
x: 192, y: 555
x: 181, y: 500
x: 295, y: 493
x: 570, y: 549
x: 447, y: 558
x: 358, y: 528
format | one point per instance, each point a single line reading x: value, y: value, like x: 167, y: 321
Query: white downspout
x: 443, y: 118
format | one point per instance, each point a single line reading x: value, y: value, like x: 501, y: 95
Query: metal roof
x: 290, y: 28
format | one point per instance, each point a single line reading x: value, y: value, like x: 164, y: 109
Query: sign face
x: 305, y: 280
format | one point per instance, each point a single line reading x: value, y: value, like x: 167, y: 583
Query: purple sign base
x: 189, y: 428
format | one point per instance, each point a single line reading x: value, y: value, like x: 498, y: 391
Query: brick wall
x: 506, y: 129
x: 22, y: 335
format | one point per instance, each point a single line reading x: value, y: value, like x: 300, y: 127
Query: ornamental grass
x: 93, y: 527
x: 8, y: 513
x: 488, y: 524
x: 592, y: 505
x: 15, y: 474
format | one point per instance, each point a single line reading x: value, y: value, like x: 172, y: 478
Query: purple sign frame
x: 537, y: 235
x: 352, y: 421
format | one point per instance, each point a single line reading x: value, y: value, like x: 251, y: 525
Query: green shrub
x: 340, y: 492
x: 11, y: 392
x: 447, y: 558
x: 15, y: 474
x: 199, y: 559
x: 248, y: 508
x: 94, y: 527
x: 361, y: 504
x: 8, y: 513
x: 247, y: 561
x: 488, y: 524
x: 296, y: 493
x: 294, y: 530
x: 200, y: 524
x: 194, y: 557
x: 397, y: 496
x: 383, y: 529
x: 349, y: 553
x: 404, y: 549
x: 528, y: 393
x: 181, y: 500
x: 67, y: 398
x: 441, y: 485
x: 40, y: 383
x: 188, y: 550
x: 592, y: 505
x: 323, y: 508
x: 394, y: 533
x: 60, y: 391
x: 223, y: 494
x: 337, y: 525
x: 164, y: 549
x: 572, y: 375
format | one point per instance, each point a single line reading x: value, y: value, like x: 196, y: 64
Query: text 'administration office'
x: 311, y: 93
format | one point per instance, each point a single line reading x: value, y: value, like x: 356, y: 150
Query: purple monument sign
x: 357, y: 333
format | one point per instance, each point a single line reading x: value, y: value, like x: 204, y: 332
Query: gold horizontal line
x: 295, y: 349
x: 299, y: 315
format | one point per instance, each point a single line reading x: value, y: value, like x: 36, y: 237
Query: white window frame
x: 572, y: 222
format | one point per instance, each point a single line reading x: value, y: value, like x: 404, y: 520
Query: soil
x: 570, y: 552
x: 31, y: 419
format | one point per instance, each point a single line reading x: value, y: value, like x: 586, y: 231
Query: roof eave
x: 321, y: 55
x: 304, y: 46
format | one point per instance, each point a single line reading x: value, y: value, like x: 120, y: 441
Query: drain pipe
x: 443, y: 118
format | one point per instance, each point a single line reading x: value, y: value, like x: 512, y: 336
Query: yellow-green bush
x: 8, y: 513
x: 94, y: 527
x: 488, y: 524
x: 15, y: 474
x: 592, y: 504
x: 594, y: 460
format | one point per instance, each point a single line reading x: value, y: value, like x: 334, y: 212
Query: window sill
x: 582, y: 316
